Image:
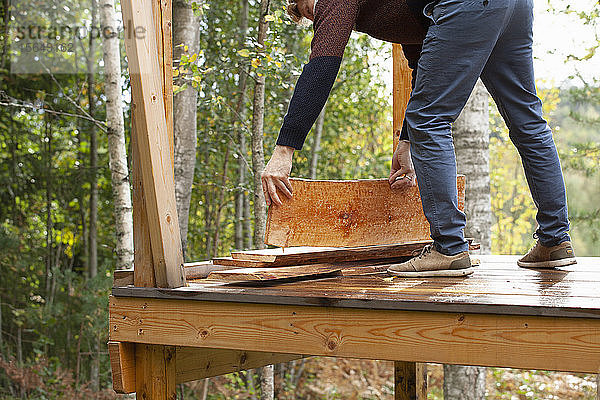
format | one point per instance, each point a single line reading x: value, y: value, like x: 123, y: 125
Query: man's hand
x: 276, y: 175
x: 402, y: 174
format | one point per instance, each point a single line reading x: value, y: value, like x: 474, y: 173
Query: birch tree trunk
x: 93, y: 231
x: 258, y: 165
x: 241, y: 115
x: 258, y: 156
x: 117, y: 152
x: 91, y: 83
x: 186, y: 28
x: 314, y: 157
x: 471, y: 143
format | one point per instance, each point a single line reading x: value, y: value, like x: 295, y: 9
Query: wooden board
x: 531, y: 342
x: 194, y: 270
x: 122, y: 364
x: 349, y: 213
x: 309, y: 255
x: 498, y: 286
x: 271, y: 274
x: 153, y: 145
x: 401, y: 90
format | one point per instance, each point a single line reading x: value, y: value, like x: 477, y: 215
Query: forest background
x: 57, y: 223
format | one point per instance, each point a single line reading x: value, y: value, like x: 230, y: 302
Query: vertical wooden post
x: 155, y: 372
x: 410, y: 379
x: 401, y: 89
x: 153, y: 145
x: 157, y: 245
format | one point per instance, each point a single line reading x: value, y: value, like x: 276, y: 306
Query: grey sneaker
x: 433, y: 263
x: 548, y: 257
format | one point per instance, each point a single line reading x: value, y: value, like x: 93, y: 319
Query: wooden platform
x: 502, y: 315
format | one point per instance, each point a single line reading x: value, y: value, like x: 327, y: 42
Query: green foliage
x: 47, y: 299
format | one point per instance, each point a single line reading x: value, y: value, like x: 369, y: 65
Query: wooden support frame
x: 191, y: 363
x: 514, y: 341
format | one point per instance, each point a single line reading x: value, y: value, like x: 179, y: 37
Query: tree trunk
x: 258, y: 156
x: 471, y: 141
x: 258, y: 165
x: 117, y: 152
x: 186, y: 28
x: 241, y: 115
x: 314, y: 155
x: 267, y: 386
x: 48, y: 145
x: 93, y: 228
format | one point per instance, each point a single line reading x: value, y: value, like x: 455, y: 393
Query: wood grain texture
x: 312, y: 271
x: 153, y: 145
x: 194, y: 270
x: 195, y: 363
x: 142, y: 249
x: 498, y: 286
x: 401, y: 89
x: 551, y: 343
x: 309, y: 255
x: 349, y: 213
x: 122, y: 364
x: 410, y: 381
x: 155, y: 372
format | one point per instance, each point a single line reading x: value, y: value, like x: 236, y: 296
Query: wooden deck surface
x: 498, y: 286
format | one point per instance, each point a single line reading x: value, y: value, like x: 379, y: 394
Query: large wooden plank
x: 349, y: 213
x: 272, y: 274
x: 569, y: 344
x: 153, y: 144
x: 310, y: 255
x: 283, y: 256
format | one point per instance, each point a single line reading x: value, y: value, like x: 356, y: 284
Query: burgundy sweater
x: 390, y: 20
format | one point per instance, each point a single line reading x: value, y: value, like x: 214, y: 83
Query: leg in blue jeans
x: 508, y: 76
x: 468, y: 39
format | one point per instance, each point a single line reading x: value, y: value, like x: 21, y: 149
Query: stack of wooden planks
x: 370, y: 225
x: 311, y: 262
x: 335, y: 227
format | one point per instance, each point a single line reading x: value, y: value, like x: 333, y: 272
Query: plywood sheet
x: 349, y: 213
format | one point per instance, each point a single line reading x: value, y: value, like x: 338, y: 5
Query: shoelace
x: 424, y: 251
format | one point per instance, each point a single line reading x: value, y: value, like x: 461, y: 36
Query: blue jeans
x: 491, y: 39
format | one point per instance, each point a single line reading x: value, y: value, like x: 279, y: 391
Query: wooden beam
x: 122, y: 364
x: 155, y: 372
x: 195, y: 363
x: 401, y: 89
x: 551, y: 343
x: 352, y: 213
x: 153, y: 143
x: 410, y: 381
